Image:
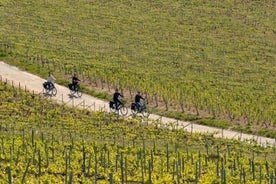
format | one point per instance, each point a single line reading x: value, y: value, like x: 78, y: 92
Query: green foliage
x: 2, y: 54
x: 249, y: 129
x: 214, y: 122
x: 43, y: 141
x: 178, y: 115
x: 212, y: 57
x: 97, y: 94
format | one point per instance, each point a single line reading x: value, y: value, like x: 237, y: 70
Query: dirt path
x: 34, y: 83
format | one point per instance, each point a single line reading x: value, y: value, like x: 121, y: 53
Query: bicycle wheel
x: 72, y: 92
x: 146, y: 113
x: 113, y: 110
x: 134, y: 112
x: 133, y: 109
x: 79, y: 92
x: 123, y: 110
x: 45, y: 91
x: 54, y: 91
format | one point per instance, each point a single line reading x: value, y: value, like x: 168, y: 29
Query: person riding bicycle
x: 138, y: 103
x: 75, y: 81
x: 50, y: 81
x: 116, y: 100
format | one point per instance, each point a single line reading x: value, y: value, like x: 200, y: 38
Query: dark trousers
x: 117, y: 103
x: 74, y: 85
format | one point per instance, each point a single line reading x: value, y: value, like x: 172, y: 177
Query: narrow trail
x: 34, y: 83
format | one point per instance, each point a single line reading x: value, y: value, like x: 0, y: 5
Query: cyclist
x: 50, y: 81
x: 116, y: 100
x: 75, y: 81
x: 138, y: 103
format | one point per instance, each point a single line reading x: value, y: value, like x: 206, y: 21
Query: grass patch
x: 100, y: 95
x: 248, y: 129
x: 175, y: 114
x: 196, y: 119
x: 2, y: 54
x: 214, y: 123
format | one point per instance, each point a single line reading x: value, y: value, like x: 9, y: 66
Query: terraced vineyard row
x: 41, y: 141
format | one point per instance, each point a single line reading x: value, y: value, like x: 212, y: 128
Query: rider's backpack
x: 111, y: 103
x: 45, y: 85
x: 132, y: 106
x: 70, y: 86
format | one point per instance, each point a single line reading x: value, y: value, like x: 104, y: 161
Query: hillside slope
x: 45, y: 142
x: 214, y: 60
x: 34, y: 83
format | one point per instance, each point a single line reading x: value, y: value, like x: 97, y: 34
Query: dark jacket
x: 75, y: 80
x: 138, y: 98
x: 116, y: 96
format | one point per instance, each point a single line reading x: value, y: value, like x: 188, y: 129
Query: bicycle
x: 121, y: 108
x: 75, y: 90
x: 49, y: 89
x: 143, y: 110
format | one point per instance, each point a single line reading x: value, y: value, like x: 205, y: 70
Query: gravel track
x: 34, y: 83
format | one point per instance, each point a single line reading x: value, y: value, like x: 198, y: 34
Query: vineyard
x: 43, y: 142
x: 214, y: 60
